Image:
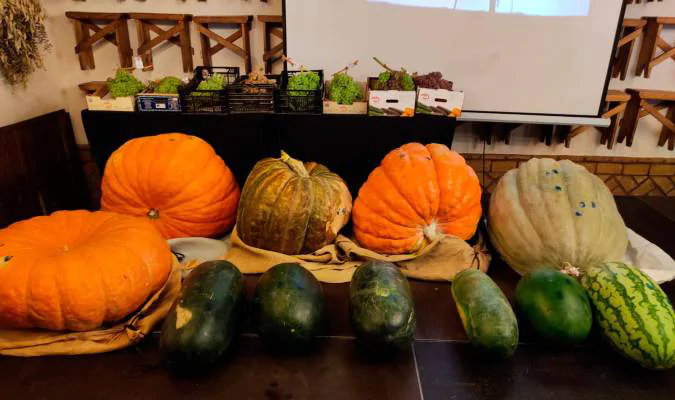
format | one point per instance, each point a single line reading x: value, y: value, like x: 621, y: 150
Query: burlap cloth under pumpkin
x: 31, y: 343
x: 336, y: 263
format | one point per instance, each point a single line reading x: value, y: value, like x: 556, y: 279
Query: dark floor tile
x: 436, y: 311
x: 664, y: 205
x: 456, y: 371
x: 334, y: 370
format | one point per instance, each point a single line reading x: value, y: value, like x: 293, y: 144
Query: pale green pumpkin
x: 555, y: 213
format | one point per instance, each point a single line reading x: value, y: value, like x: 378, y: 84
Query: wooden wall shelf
x: 272, y: 27
x: 178, y: 34
x: 649, y: 102
x: 632, y: 30
x: 615, y: 105
x: 651, y: 39
x: 243, y: 27
x: 114, y: 31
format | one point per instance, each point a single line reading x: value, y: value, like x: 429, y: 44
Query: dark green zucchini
x: 381, y: 304
x: 203, y: 320
x: 288, y: 305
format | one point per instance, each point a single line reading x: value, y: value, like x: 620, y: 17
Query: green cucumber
x: 555, y: 305
x: 381, y: 304
x: 288, y: 305
x: 203, y: 320
x: 486, y: 314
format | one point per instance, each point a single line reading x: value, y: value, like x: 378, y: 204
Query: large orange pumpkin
x: 177, y: 181
x: 417, y: 194
x: 76, y: 270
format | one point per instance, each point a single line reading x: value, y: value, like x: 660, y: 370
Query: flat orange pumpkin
x: 416, y: 195
x: 76, y: 270
x: 175, y: 180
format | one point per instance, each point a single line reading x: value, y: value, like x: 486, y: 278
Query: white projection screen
x: 547, y: 57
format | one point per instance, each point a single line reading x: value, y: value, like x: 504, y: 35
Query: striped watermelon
x: 633, y: 312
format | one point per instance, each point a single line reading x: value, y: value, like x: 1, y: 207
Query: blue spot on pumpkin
x: 558, y: 188
x: 582, y: 204
x: 593, y: 204
x: 555, y: 171
x: 578, y: 214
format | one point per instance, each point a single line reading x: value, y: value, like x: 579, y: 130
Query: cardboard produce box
x: 441, y: 102
x: 101, y: 100
x: 358, y: 107
x: 390, y: 103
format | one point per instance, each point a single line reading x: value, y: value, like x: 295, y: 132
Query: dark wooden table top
x: 440, y: 364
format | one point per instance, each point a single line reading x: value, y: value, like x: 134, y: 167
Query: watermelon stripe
x: 649, y: 303
x: 625, y: 340
x: 633, y: 312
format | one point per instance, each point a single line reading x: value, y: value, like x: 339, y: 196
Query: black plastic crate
x: 207, y: 101
x: 252, y: 98
x: 299, y: 101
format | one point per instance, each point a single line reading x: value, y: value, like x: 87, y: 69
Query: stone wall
x: 624, y: 176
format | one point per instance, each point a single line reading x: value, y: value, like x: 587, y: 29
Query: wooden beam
x: 160, y: 16
x: 616, y: 110
x: 160, y: 38
x: 91, y: 86
x: 277, y: 32
x: 186, y: 46
x: 648, y: 94
x: 662, y: 57
x: 207, y: 58
x: 123, y: 44
x: 668, y: 134
x: 86, y: 56
x: 234, y: 19
x: 659, y: 107
x: 106, y: 30
x: 656, y: 114
x: 151, y: 26
x: 95, y: 28
x: 616, y: 96
x: 271, y: 18
x: 651, y: 32
x: 221, y: 40
x: 271, y: 52
x: 95, y: 16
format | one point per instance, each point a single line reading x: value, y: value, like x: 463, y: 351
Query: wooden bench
x: 651, y: 39
x: 272, y: 26
x: 649, y: 102
x: 242, y: 23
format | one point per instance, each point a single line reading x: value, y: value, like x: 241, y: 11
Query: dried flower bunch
x: 23, y: 39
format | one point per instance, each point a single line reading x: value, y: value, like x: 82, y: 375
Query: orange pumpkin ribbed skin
x: 417, y: 194
x: 177, y: 181
x: 76, y: 270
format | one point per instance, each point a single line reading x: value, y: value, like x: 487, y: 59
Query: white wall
x: 526, y: 139
x: 57, y: 88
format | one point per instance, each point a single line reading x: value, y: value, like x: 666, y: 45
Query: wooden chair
x: 243, y: 27
x: 615, y: 105
x: 640, y: 106
x: 632, y: 29
x: 115, y: 31
x: 272, y: 26
x: 178, y: 34
x: 651, y: 39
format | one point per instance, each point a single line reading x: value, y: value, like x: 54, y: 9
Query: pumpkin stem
x: 296, y: 166
x: 570, y: 270
x: 153, y: 213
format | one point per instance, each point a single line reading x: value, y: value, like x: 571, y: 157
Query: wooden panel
x: 40, y: 170
x: 94, y: 15
x: 160, y: 16
x: 271, y: 18
x: 232, y: 19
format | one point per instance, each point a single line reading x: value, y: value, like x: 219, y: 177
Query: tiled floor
x: 441, y: 364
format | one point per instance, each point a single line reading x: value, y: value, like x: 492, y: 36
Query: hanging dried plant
x: 23, y: 39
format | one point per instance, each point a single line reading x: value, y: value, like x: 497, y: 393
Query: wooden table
x: 441, y: 364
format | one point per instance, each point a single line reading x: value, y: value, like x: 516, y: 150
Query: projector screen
x: 548, y: 57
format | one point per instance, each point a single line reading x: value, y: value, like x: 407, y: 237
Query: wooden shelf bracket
x: 115, y: 31
x: 178, y: 34
x: 647, y: 59
x: 242, y: 24
x: 273, y: 27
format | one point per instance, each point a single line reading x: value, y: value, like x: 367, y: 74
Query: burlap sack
x: 335, y: 263
x: 31, y: 343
